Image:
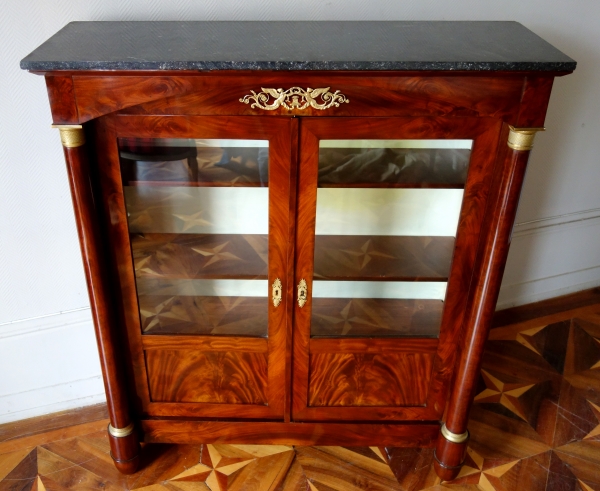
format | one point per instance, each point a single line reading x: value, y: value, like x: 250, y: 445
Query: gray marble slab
x: 320, y: 45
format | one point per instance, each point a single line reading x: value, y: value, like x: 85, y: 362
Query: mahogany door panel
x: 199, y: 221
x: 369, y: 379
x: 400, y: 94
x: 384, y: 205
x: 220, y: 377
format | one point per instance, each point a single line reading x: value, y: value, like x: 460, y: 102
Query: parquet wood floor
x: 535, y: 425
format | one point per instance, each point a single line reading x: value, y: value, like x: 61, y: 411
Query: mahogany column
x: 452, y: 443
x: 123, y: 440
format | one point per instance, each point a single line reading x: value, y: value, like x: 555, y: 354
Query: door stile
x: 280, y: 218
x: 305, y: 242
x: 290, y: 265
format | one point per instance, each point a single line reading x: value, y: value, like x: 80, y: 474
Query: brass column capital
x: 71, y: 135
x: 522, y: 138
x: 454, y: 437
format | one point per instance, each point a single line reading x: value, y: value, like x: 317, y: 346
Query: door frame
x: 485, y: 133
x: 106, y: 131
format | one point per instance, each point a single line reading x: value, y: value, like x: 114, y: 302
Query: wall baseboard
x: 28, y: 427
x: 546, y: 288
x: 549, y: 307
x: 47, y: 400
x: 48, y: 364
x: 552, y: 257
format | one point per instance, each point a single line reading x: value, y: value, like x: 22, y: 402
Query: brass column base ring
x: 454, y: 437
x: 120, y: 432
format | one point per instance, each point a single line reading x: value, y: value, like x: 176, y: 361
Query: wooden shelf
x: 337, y: 257
x: 385, y: 258
x: 375, y: 317
x: 200, y: 256
x: 331, y: 317
x: 222, y: 316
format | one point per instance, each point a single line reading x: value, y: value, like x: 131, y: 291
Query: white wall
x: 47, y: 352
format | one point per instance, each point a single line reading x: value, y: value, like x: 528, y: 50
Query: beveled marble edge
x: 206, y: 66
x: 298, y: 46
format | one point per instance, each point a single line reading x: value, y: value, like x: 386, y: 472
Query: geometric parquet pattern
x: 535, y: 425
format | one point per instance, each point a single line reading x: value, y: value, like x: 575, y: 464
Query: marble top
x: 321, y: 45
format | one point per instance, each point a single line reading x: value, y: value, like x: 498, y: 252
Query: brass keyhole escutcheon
x: 302, y: 293
x: 276, y: 290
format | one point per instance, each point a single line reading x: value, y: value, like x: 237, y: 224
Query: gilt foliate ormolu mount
x: 295, y: 264
x: 294, y: 98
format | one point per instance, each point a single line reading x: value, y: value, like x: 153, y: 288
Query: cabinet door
x: 389, y: 214
x: 198, y: 218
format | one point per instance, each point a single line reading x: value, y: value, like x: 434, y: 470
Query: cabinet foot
x: 125, y: 451
x: 449, y: 454
x: 127, y: 466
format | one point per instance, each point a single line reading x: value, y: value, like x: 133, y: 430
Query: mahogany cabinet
x: 290, y: 234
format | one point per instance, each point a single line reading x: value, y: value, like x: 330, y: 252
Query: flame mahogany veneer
x: 289, y: 388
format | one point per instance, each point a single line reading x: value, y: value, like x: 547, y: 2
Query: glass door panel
x: 386, y: 221
x: 198, y: 218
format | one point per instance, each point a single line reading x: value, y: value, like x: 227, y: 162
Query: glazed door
x: 389, y: 213
x: 198, y: 211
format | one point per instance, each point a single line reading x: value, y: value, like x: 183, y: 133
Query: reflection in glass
x: 415, y: 163
x: 387, y: 215
x: 220, y: 162
x: 198, y: 219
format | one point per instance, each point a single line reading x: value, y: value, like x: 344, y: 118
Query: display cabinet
x: 295, y: 232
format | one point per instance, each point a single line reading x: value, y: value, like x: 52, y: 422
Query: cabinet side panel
x: 120, y: 254
x: 62, y: 100
x: 470, y: 223
x: 211, y: 377
x: 369, y: 379
x: 97, y: 96
x: 534, y: 102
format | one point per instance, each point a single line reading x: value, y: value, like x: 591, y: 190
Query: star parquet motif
x: 339, y: 257
x: 350, y: 316
x: 540, y: 390
x: 192, y: 220
x: 199, y: 256
x: 475, y: 472
x: 188, y: 314
x: 375, y: 317
x: 217, y: 254
x: 365, y: 254
x: 535, y: 426
x: 174, y: 296
x: 503, y: 393
x: 84, y: 463
x: 221, y: 466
